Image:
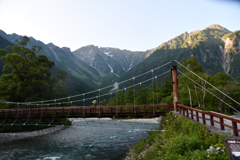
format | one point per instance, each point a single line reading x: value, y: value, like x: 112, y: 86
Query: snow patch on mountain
x: 108, y: 54
x: 98, y: 83
x: 110, y: 68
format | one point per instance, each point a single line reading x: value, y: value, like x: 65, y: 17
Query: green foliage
x: 182, y: 139
x: 27, y: 77
x: 194, y: 92
x: 192, y: 64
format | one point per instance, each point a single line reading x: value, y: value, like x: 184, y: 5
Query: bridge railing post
x: 197, y: 116
x: 211, y: 120
x: 221, y: 123
x: 234, y: 125
x: 170, y: 106
x: 191, y: 114
x: 175, y: 83
x: 203, y: 118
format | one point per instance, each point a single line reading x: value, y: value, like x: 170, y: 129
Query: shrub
x: 182, y: 139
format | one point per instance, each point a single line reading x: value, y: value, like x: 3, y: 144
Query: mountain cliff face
x: 109, y: 59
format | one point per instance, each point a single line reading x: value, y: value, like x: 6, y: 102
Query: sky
x: 136, y: 25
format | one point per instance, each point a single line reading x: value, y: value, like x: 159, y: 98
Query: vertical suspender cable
x: 99, y: 97
x: 111, y: 97
x: 116, y: 97
x: 69, y: 101
x: 134, y: 92
x: 140, y: 92
x: 158, y: 93
x: 29, y: 108
x: 152, y: 86
x: 17, y: 108
x: 153, y: 92
x: 125, y: 97
x: 134, y: 96
x: 83, y: 100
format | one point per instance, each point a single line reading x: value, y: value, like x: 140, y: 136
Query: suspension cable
x: 46, y: 102
x: 209, y: 91
x: 208, y: 83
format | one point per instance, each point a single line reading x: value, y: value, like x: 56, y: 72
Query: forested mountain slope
x: 216, y: 48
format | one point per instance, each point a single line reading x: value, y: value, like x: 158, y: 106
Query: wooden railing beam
x: 211, y: 114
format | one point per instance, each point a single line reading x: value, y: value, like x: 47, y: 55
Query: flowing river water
x: 84, y: 140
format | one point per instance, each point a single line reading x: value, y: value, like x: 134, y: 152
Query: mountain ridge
x: 216, y: 48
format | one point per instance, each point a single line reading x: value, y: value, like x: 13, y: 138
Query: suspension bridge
x: 79, y: 106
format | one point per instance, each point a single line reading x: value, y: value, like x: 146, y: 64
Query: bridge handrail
x: 87, y: 111
x: 185, y: 111
x: 88, y: 107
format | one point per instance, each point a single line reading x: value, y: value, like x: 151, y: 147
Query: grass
x: 181, y: 139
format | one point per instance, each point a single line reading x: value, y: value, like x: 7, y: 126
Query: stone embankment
x: 8, y: 137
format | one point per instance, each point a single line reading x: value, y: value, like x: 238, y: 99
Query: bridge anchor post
x: 175, y: 83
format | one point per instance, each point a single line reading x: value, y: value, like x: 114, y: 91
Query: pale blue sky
x: 135, y: 25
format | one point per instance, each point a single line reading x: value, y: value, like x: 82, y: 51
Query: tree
x: 226, y: 85
x: 190, y: 93
x: 192, y: 64
x: 166, y: 90
x: 198, y: 90
x: 27, y: 77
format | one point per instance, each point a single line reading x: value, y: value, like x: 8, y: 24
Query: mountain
x: 88, y: 67
x: 105, y: 59
x: 93, y: 67
x: 78, y: 73
x: 3, y: 44
x: 216, y: 48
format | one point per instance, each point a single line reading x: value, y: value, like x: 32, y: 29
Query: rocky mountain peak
x: 66, y: 49
x: 217, y: 26
x: 89, y: 49
x: 51, y: 45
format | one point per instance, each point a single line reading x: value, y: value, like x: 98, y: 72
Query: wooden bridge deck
x: 85, y: 112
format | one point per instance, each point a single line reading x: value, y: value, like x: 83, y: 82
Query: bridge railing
x: 212, y: 117
x: 89, y: 111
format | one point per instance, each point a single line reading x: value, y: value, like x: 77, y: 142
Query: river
x: 83, y: 140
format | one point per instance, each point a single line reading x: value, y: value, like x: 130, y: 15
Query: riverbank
x: 9, y: 137
x: 142, y: 120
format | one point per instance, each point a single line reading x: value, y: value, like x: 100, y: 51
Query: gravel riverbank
x: 139, y: 120
x: 8, y: 137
